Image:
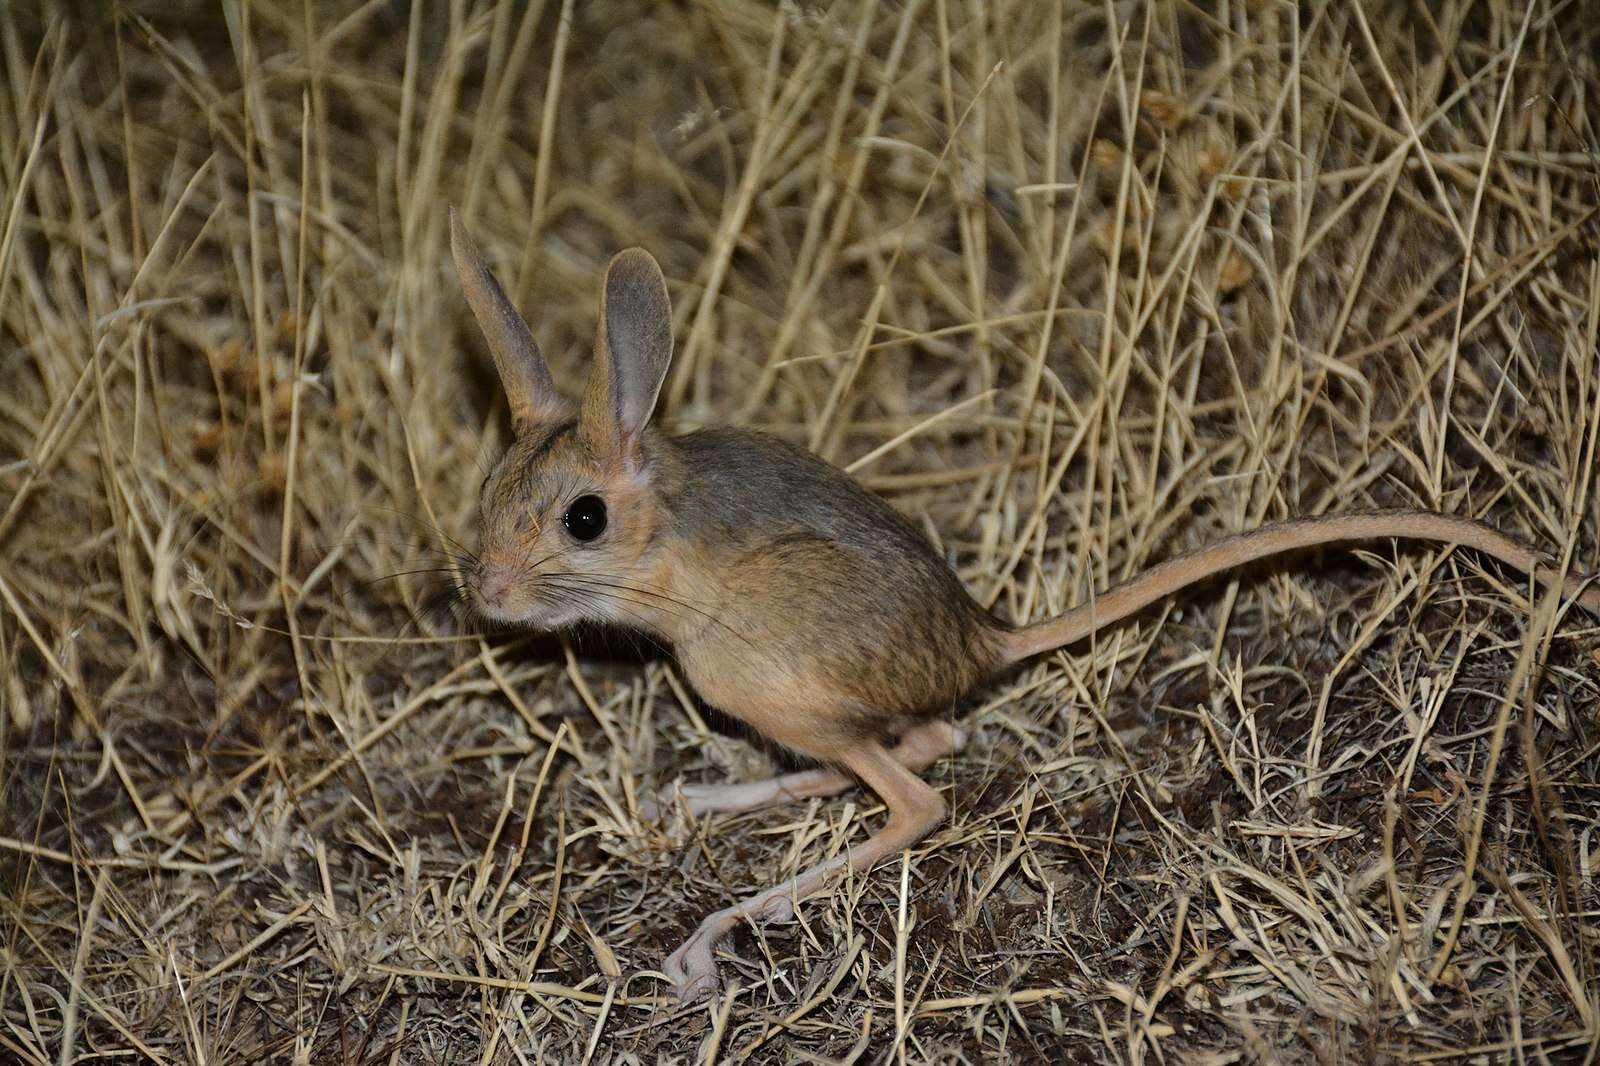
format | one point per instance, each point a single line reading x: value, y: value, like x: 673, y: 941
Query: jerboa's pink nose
x: 493, y: 587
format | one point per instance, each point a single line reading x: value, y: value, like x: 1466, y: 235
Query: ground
x: 1076, y: 286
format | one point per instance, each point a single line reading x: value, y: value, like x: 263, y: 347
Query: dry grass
x: 1342, y: 809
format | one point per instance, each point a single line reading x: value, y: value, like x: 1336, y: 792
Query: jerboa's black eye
x: 586, y: 517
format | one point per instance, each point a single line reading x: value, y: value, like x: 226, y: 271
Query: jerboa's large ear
x: 523, y: 373
x: 631, y: 353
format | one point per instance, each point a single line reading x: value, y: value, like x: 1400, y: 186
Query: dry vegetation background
x: 1077, y: 285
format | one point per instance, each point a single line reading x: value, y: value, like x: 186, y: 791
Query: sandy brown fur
x: 875, y: 631
x: 877, y: 615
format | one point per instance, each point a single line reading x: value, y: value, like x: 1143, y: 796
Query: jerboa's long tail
x: 1168, y: 577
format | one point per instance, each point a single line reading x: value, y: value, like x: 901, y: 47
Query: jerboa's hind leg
x: 914, y: 809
